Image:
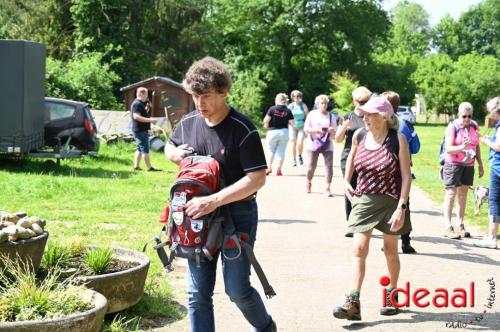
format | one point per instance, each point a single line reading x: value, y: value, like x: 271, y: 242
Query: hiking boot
x: 308, y: 187
x: 278, y: 173
x: 462, y: 231
x: 269, y: 171
x: 350, y: 310
x: 450, y: 234
x: 389, y: 309
x: 486, y: 242
x: 301, y: 161
x: 407, y: 248
x: 294, y: 164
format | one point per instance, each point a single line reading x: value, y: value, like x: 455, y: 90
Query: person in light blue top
x: 490, y: 240
x: 296, y: 132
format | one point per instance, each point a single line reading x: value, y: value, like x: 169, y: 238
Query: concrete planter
x: 122, y: 289
x: 88, y: 321
x: 28, y: 251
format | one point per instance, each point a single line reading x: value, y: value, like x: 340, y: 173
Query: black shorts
x: 457, y: 175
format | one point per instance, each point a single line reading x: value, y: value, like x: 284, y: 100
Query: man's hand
x: 153, y: 121
x: 177, y: 153
x: 201, y: 206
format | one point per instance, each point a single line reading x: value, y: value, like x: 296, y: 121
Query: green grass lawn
x: 102, y: 201
x: 426, y: 168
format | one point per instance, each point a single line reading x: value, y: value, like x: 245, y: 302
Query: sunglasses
x: 466, y: 116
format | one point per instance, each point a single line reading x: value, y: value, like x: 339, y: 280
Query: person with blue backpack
x: 409, y: 132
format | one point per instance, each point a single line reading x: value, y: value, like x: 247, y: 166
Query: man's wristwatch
x: 403, y: 206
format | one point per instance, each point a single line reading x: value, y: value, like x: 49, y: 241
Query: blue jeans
x: 236, y: 280
x: 494, y: 196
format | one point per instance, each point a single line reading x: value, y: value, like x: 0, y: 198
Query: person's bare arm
x: 349, y: 166
x: 340, y: 134
x: 266, y: 121
x: 244, y: 187
x: 140, y: 118
x: 176, y: 153
x: 398, y: 216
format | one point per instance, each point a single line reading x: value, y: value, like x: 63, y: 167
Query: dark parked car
x: 70, y: 122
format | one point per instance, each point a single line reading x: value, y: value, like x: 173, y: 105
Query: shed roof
x: 166, y: 80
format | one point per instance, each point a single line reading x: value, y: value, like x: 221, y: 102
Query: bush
x: 84, y: 78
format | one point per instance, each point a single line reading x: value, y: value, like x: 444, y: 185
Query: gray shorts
x: 374, y: 211
x: 457, y: 175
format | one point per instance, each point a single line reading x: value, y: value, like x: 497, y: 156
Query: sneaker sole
x: 484, y: 246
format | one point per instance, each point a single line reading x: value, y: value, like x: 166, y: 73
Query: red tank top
x: 378, y: 170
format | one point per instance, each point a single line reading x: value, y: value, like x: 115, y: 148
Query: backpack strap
x: 361, y: 135
x: 238, y: 240
x: 393, y: 136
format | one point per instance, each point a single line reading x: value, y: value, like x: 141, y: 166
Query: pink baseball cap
x: 377, y: 105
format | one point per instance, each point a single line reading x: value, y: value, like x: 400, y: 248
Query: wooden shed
x: 166, y: 96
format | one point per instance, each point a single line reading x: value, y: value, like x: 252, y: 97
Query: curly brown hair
x: 205, y: 74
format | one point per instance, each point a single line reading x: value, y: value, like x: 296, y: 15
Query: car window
x: 59, y: 111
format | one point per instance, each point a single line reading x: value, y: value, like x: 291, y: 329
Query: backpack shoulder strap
x: 361, y: 135
x: 393, y: 136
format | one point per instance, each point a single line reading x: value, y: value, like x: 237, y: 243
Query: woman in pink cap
x: 380, y: 156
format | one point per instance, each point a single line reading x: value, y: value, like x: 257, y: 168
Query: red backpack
x: 188, y: 238
x: 202, y: 238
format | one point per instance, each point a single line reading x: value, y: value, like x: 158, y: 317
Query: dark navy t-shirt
x: 139, y: 107
x: 280, y: 115
x: 234, y: 142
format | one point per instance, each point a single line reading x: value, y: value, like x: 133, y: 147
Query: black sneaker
x: 389, y: 309
x: 152, y: 169
x: 301, y: 161
x: 137, y: 169
x: 349, y: 234
x: 408, y: 249
x: 350, y: 310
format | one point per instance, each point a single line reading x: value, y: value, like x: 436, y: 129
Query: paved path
x: 307, y: 259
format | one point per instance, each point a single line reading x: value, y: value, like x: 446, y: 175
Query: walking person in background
x: 277, y: 120
x: 352, y: 122
x: 218, y: 130
x: 141, y: 123
x: 321, y: 126
x: 490, y: 240
x: 379, y: 200
x: 462, y: 150
x: 299, y: 111
x: 413, y: 147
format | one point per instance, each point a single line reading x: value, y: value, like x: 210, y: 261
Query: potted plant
x: 119, y: 274
x: 31, y: 305
x: 22, y: 238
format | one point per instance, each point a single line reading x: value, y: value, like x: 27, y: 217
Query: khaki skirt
x: 374, y: 211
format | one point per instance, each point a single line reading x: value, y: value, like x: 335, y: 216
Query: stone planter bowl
x: 28, y: 251
x: 88, y: 321
x: 122, y: 289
